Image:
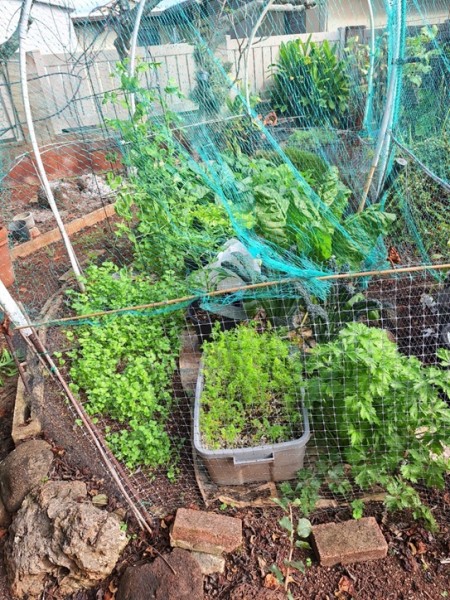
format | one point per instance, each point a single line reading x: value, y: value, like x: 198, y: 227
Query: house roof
x: 67, y: 4
x: 87, y: 10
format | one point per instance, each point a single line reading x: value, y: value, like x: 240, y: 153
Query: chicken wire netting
x: 218, y: 167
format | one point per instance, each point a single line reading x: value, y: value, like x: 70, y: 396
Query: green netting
x: 254, y: 149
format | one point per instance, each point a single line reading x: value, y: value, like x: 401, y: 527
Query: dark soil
x: 414, y: 320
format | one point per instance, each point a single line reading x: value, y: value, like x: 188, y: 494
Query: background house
x: 52, y: 30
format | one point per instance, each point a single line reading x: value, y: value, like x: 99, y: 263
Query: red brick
x: 205, y: 532
x: 348, y: 542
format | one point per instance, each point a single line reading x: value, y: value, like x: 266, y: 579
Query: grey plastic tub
x: 271, y: 462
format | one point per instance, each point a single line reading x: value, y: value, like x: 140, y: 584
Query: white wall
x: 52, y: 29
x: 344, y: 13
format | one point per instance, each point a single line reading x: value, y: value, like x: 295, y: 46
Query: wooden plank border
x: 50, y: 237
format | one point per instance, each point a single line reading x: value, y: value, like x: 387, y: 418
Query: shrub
x: 382, y: 412
x: 310, y: 82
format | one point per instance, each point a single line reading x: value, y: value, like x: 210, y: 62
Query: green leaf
x: 357, y: 509
x: 304, y: 528
x: 286, y: 523
x: 278, y: 574
x: 302, y: 545
x: 296, y: 564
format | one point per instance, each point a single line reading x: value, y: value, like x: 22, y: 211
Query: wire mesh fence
x: 224, y: 170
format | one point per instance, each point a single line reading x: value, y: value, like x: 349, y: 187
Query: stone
x: 25, y: 423
x: 205, y: 532
x: 26, y: 467
x: 245, y: 591
x: 5, y: 517
x: 349, y: 542
x: 58, y: 533
x: 209, y: 563
x: 157, y: 581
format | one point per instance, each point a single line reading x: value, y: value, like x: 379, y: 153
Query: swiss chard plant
x: 252, y: 389
x: 309, y: 216
x: 382, y: 412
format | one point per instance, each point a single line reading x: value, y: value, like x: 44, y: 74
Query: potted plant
x: 249, y: 420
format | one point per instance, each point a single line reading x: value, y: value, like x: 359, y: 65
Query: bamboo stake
x: 254, y: 286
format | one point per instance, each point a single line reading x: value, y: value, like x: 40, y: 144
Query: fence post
x: 39, y: 97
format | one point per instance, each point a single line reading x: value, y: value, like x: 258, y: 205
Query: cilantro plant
x: 252, y: 387
x: 383, y: 412
x: 125, y: 363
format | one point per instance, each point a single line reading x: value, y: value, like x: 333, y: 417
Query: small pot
x: 27, y: 217
x: 6, y: 269
x: 204, y: 327
x: 19, y: 231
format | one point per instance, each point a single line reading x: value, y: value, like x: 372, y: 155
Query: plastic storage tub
x: 272, y: 462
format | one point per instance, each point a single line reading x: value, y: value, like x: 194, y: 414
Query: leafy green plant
x: 288, y: 214
x: 422, y: 199
x: 212, y: 84
x: 310, y: 165
x: 298, y: 527
x: 7, y: 365
x: 177, y: 213
x: 383, y: 412
x: 240, y: 134
x: 251, y: 390
x: 124, y: 365
x: 423, y: 109
x: 345, y: 303
x: 310, y: 82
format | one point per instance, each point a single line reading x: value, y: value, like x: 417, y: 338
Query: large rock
x: 156, y: 581
x: 59, y: 533
x: 26, y: 467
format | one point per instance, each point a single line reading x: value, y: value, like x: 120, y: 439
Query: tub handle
x: 253, y: 461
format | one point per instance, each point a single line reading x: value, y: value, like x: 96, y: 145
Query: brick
x: 348, y: 542
x: 205, y: 532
